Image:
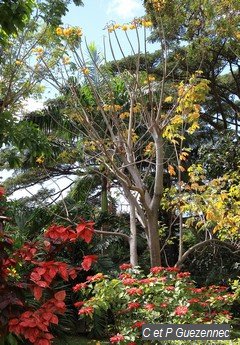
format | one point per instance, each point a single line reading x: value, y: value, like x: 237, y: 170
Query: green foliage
x: 14, y: 16
x: 163, y: 296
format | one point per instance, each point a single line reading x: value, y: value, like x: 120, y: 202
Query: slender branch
x: 111, y: 233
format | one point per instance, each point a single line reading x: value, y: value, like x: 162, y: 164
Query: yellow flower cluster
x: 124, y: 115
x: 18, y: 62
x: 112, y: 107
x: 131, y: 26
x: 157, y: 5
x: 237, y: 35
x: 69, y: 32
x: 40, y: 160
x: 38, y: 50
x: 149, y: 79
x: 149, y: 149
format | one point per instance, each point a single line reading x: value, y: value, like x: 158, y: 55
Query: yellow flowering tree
x: 122, y: 118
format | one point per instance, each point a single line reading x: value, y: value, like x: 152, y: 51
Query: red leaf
x: 85, y: 231
x: 54, y: 319
x: 52, y: 272
x: 60, y: 295
x: 88, y: 260
x: 37, y: 291
x: 42, y: 284
x: 63, y: 272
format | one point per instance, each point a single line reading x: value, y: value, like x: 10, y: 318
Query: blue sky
x: 96, y: 14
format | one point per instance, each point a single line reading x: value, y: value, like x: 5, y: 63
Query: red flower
x: 135, y: 291
x: 181, y: 310
x: 125, y: 275
x: 124, y: 267
x: 150, y: 306
x: 163, y: 305
x: 60, y: 233
x: 157, y: 269
x: 173, y: 269
x: 138, y: 324
x: 193, y: 300
x: 79, y: 304
x: 2, y: 191
x: 85, y: 231
x: 88, y: 260
x: 133, y: 305
x: 117, y: 338
x: 95, y: 278
x: 79, y: 286
x: 86, y: 310
x: 183, y: 275
x: 27, y: 251
x: 170, y: 288
x: 129, y: 281
x: 147, y: 280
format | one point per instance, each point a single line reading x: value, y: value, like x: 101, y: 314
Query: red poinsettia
x: 60, y: 233
x: 181, y: 310
x: 2, y: 191
x: 116, y: 338
x: 88, y: 260
x: 85, y: 231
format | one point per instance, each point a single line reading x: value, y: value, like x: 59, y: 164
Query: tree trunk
x: 153, y: 239
x: 133, y: 237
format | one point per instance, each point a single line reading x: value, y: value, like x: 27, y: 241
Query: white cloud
x: 125, y: 9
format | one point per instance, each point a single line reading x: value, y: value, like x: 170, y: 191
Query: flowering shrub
x: 33, y: 268
x: 165, y: 295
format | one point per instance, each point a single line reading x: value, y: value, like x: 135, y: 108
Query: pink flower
x: 181, y: 310
x: 117, y: 338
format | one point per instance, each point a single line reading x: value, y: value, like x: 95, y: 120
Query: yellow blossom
x: 39, y: 50
x: 237, y: 34
x: 124, y: 115
x: 59, y: 31
x: 116, y: 26
x: 110, y: 29
x: 168, y: 99
x: 18, y: 62
x: 171, y: 170
x: 147, y: 24
x: 79, y: 32
x: 132, y: 26
x: 85, y: 70
x: 40, y: 160
x: 66, y: 60
x: 125, y: 27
